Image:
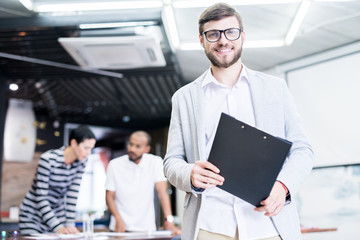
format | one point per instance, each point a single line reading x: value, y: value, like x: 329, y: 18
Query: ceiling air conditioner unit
x: 126, y: 52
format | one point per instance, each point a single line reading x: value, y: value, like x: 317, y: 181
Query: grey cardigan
x: 274, y: 112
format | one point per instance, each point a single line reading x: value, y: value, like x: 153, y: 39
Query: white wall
x: 327, y: 96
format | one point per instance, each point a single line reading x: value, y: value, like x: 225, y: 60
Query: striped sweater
x: 51, y: 200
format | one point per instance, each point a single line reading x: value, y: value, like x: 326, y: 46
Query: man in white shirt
x: 130, y: 184
x: 258, y: 99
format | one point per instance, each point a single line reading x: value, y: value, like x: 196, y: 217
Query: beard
x: 133, y: 157
x: 223, y: 64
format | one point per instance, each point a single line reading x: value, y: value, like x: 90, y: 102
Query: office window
x: 330, y: 198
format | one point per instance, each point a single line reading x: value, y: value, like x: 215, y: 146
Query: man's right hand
x: 120, y: 226
x: 205, y: 175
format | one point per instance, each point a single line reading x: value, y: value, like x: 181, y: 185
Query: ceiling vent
x: 127, y: 52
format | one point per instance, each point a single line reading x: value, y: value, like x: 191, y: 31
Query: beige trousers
x: 205, y: 235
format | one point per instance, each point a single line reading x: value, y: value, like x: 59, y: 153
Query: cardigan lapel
x: 256, y: 91
x: 197, y: 100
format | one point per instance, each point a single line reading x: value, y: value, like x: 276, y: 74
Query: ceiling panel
x: 144, y: 94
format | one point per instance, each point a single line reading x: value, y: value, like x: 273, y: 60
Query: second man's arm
x: 161, y: 188
x: 110, y: 201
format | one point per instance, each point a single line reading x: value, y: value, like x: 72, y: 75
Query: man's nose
x: 222, y: 37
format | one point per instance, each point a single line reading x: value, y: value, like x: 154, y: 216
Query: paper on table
x: 101, y: 235
x: 135, y: 234
x: 54, y: 236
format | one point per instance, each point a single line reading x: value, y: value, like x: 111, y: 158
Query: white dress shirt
x: 222, y: 212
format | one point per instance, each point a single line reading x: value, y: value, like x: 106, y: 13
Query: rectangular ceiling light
x: 207, y: 3
x: 28, y: 4
x: 170, y: 26
x: 300, y: 15
x: 116, y: 25
x: 92, y: 6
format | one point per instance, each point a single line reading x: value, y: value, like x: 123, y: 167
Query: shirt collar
x: 209, y: 78
x: 141, y: 163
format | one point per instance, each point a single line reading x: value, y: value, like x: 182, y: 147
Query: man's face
x: 137, y: 146
x: 83, y: 149
x: 222, y: 53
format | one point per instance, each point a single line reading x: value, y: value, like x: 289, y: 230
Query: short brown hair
x: 216, y: 12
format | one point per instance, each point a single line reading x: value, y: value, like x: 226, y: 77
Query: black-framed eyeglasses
x: 231, y: 34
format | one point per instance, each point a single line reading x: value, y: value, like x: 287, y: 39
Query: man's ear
x: 201, y: 40
x: 73, y: 143
x: 243, y: 36
x: 147, y: 149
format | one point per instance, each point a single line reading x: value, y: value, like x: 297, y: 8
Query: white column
x: 20, y: 131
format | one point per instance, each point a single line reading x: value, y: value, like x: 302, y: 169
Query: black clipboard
x: 248, y: 158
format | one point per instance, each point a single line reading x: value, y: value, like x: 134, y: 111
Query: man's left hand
x: 171, y: 226
x: 275, y: 202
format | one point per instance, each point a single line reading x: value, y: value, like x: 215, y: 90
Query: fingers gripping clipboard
x: 248, y: 158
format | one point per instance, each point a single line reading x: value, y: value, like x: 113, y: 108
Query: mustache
x: 221, y: 45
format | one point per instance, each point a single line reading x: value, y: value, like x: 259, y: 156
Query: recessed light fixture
x: 126, y: 118
x: 13, y: 87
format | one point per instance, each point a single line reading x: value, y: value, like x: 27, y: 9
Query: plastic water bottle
x: 88, y: 225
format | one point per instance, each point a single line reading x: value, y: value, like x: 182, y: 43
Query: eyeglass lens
x: 231, y: 34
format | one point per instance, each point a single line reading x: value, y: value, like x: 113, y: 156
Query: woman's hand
x: 67, y: 230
